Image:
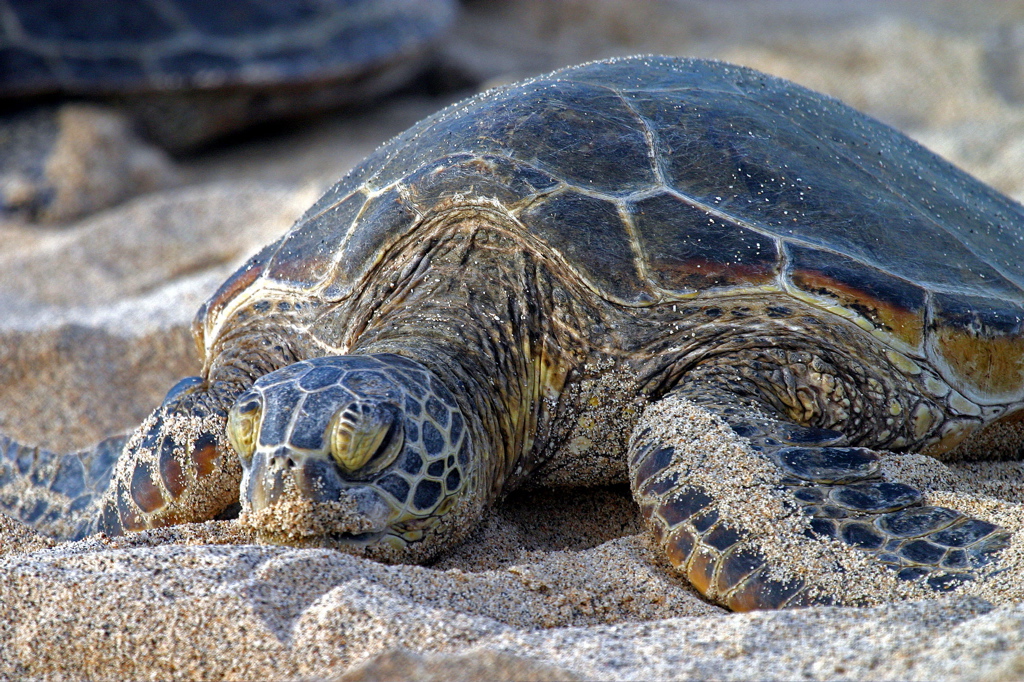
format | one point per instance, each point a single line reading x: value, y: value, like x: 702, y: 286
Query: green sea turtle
x: 596, y: 276
x: 182, y: 72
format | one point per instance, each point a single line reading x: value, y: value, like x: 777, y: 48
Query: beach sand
x: 94, y: 321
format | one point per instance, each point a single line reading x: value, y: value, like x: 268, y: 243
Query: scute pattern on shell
x: 659, y: 179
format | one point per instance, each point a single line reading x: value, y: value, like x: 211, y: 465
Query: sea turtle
x: 183, y: 72
x: 600, y: 275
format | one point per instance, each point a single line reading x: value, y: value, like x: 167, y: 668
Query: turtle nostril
x: 282, y: 460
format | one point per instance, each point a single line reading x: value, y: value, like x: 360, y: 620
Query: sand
x: 94, y: 323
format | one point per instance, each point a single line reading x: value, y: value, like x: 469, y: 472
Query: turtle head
x: 369, y: 454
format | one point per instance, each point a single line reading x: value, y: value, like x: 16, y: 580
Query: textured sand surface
x: 94, y: 323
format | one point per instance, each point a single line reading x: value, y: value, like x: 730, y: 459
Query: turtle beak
x: 275, y: 474
x: 305, y: 491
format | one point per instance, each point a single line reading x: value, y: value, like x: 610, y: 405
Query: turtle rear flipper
x: 750, y: 538
x: 56, y: 494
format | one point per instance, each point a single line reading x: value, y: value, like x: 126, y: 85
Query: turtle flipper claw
x: 715, y: 556
x: 177, y: 468
x: 918, y: 541
x: 842, y: 490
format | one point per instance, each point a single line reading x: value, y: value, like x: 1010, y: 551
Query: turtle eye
x: 366, y: 438
x: 243, y: 421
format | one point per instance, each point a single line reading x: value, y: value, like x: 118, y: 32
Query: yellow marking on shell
x: 895, y: 409
x: 707, y: 275
x: 964, y: 406
x: 892, y: 341
x: 904, y: 330
x: 988, y: 369
x: 891, y: 324
x: 903, y: 363
x: 887, y: 338
x: 863, y: 323
x: 717, y: 293
x: 922, y: 420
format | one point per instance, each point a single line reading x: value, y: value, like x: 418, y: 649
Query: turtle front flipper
x: 759, y: 513
x: 56, y: 494
x: 178, y: 466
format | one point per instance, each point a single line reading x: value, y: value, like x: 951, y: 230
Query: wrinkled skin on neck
x: 476, y: 311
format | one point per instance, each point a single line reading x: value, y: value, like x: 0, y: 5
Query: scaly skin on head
x: 367, y: 453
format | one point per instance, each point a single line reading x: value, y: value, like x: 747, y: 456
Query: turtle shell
x: 97, y: 46
x: 660, y: 179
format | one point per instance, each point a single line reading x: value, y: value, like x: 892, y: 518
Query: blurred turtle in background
x: 85, y: 85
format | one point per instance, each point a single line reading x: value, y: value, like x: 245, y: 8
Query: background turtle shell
x: 93, y: 46
x: 661, y: 179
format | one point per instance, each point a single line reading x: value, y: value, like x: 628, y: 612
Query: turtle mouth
x: 358, y: 543
x: 354, y: 539
x: 358, y: 517
x: 300, y: 532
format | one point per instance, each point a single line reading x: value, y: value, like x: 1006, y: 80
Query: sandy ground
x: 94, y: 323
